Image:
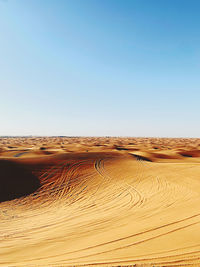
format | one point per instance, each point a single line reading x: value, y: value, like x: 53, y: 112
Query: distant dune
x: 99, y: 201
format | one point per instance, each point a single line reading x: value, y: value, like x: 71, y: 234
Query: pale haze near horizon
x: 96, y: 68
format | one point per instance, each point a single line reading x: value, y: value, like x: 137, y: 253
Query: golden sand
x: 99, y: 201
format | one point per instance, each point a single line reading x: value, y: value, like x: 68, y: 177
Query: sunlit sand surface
x: 99, y: 201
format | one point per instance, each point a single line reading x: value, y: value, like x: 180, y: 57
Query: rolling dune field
x: 99, y: 201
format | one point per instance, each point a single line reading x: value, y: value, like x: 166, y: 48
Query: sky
x: 100, y: 68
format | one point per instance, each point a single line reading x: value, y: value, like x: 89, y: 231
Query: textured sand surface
x: 99, y: 201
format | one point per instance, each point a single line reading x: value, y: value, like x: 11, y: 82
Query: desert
x: 99, y: 133
x: 90, y: 201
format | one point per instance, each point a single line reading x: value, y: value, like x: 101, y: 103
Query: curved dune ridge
x: 113, y: 208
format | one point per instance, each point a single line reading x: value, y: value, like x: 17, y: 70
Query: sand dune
x: 99, y: 201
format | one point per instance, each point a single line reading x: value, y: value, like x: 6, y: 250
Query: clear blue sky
x: 106, y: 67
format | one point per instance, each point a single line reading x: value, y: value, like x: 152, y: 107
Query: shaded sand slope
x: 16, y: 180
x: 102, y: 208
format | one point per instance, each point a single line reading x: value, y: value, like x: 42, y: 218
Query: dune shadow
x: 188, y: 155
x: 16, y: 181
x: 121, y: 148
x: 138, y: 157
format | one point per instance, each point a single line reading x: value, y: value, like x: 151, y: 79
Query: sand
x: 99, y: 201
